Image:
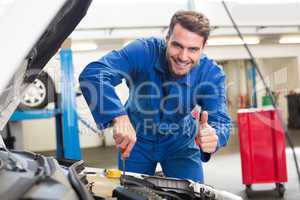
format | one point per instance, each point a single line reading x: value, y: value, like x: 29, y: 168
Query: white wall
x: 280, y: 66
x: 39, y: 135
x: 258, y: 51
x: 282, y: 76
x: 236, y: 84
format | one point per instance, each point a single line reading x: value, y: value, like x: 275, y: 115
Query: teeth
x: 181, y: 64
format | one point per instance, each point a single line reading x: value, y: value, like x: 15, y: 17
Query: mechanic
x: 167, y: 78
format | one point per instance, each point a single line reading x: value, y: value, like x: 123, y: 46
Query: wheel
x: 39, y: 93
x: 248, y: 190
x: 280, y: 189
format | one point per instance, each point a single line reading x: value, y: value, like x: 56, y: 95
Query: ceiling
x: 113, y: 23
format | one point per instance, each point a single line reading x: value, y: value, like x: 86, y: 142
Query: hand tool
x: 197, y: 140
x: 123, y: 164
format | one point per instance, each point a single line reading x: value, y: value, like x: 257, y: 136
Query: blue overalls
x: 159, y: 107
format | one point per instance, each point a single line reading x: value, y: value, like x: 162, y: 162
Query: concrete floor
x: 223, y: 171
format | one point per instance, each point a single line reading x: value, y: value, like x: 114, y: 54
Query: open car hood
x: 32, y: 31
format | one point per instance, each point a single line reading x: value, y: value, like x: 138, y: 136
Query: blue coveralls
x: 159, y: 107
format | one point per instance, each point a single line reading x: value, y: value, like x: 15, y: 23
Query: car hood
x: 32, y: 31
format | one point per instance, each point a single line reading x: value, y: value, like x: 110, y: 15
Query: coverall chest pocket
x: 177, y: 102
x: 145, y: 98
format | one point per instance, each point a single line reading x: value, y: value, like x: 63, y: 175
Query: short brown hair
x: 193, y: 21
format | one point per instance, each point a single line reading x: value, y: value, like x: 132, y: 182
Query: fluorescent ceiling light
x: 84, y: 46
x: 219, y: 41
x: 290, y: 39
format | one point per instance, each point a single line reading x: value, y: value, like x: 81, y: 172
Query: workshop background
x: 270, y: 28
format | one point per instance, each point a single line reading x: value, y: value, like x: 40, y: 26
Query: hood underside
x: 29, y: 38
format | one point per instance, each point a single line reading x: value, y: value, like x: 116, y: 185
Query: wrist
x: 119, y: 118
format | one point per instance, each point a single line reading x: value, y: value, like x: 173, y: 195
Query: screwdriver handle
x: 123, y: 151
x: 197, y: 140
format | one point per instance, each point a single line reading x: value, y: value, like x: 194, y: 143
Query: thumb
x: 204, y: 118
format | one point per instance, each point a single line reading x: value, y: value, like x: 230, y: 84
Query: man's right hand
x: 124, y: 134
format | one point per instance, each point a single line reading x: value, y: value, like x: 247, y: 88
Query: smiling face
x: 184, y: 49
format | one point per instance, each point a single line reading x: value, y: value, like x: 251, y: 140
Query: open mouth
x: 180, y: 64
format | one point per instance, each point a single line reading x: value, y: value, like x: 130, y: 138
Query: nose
x: 183, y: 55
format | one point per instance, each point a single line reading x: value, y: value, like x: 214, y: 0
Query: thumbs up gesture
x: 207, y: 139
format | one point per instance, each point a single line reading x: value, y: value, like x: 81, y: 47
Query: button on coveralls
x: 159, y: 106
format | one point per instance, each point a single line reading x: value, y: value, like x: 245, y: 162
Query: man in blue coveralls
x: 167, y: 78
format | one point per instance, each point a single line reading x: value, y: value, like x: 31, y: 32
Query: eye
x: 176, y: 45
x: 193, y: 50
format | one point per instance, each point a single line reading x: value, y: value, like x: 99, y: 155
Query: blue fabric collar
x: 190, y: 78
x: 161, y: 64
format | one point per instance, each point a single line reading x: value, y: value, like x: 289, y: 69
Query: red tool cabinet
x: 262, y: 148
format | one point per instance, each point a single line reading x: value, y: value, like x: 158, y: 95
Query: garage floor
x: 223, y: 171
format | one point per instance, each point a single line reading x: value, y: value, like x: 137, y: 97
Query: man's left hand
x: 207, y: 137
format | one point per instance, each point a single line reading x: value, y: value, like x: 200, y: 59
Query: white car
x: 31, y: 33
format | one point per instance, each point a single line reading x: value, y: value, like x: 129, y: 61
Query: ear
x: 204, y: 43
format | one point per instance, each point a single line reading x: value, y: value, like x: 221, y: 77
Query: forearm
x: 100, y: 95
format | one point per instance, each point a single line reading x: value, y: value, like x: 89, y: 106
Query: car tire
x: 41, y: 93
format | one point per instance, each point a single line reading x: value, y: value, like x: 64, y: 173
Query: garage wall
x: 282, y: 76
x: 236, y: 84
x: 40, y: 135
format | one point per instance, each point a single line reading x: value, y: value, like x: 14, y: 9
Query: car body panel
x: 29, y: 38
x: 20, y: 30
